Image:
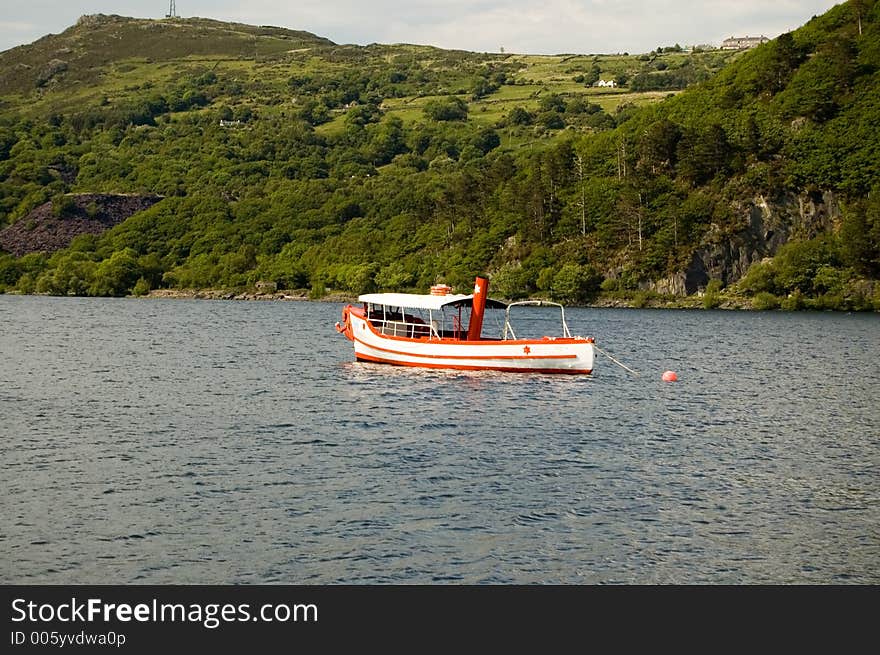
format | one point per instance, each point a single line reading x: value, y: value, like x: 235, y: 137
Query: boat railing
x: 408, y: 327
x: 508, y: 328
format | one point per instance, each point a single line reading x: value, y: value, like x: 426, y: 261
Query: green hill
x: 86, y: 52
x: 284, y: 157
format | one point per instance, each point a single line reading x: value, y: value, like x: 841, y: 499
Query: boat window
x: 401, y: 322
x: 448, y: 322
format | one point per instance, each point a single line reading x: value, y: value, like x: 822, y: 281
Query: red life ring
x: 342, y: 327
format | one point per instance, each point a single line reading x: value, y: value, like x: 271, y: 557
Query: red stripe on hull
x: 460, y: 367
x: 429, y: 356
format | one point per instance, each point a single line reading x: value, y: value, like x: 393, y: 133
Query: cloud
x: 548, y: 27
x: 13, y: 26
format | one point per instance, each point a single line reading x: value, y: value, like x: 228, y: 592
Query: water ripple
x: 188, y: 442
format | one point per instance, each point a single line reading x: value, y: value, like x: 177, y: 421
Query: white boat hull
x: 547, y: 355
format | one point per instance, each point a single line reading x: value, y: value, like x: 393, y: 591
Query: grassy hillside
x: 107, y: 58
x: 86, y: 52
x: 285, y: 157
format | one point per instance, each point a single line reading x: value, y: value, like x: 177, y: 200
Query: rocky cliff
x: 767, y: 224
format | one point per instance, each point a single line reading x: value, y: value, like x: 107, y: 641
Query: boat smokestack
x: 481, y: 291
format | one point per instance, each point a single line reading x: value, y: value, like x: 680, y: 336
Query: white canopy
x: 422, y: 301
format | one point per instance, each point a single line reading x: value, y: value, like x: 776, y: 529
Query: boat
x: 444, y: 330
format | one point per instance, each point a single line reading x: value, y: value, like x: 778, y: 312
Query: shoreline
x: 651, y: 302
x: 296, y: 295
x: 302, y: 295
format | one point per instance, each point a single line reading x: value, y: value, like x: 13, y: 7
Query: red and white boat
x: 444, y: 330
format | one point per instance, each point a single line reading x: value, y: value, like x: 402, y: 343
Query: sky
x: 519, y: 26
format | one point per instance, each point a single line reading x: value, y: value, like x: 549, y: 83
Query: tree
x: 485, y: 140
x: 859, y: 235
x: 575, y: 283
x: 822, y: 83
x: 582, y: 202
x: 62, y: 205
x: 703, y: 155
x: 551, y: 120
x: 520, y: 116
x: 859, y: 8
x: 116, y: 275
x: 314, y: 112
x: 363, y: 114
x: 657, y: 146
x: 786, y: 56
x: 386, y: 141
x: 447, y: 109
x: 593, y: 75
x: 553, y: 102
x: 482, y: 87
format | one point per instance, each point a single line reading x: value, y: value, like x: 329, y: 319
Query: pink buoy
x: 669, y: 376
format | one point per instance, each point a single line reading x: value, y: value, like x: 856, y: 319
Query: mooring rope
x: 623, y: 366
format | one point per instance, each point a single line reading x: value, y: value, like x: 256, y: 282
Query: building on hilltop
x: 743, y: 42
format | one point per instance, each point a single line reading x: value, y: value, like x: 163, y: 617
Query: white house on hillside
x: 743, y: 42
x: 608, y: 83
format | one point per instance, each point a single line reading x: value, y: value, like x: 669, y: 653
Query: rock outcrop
x: 769, y: 224
x: 47, y: 229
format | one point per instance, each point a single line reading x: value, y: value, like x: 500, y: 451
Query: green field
x: 126, y: 58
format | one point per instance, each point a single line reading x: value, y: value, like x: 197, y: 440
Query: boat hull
x: 546, y: 355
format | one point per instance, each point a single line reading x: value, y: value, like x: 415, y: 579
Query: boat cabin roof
x: 425, y: 301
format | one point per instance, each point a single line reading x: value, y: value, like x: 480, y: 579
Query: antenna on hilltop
x: 172, y: 11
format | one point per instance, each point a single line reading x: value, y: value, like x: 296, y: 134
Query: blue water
x: 177, y: 441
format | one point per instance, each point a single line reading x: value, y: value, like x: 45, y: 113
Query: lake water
x: 177, y: 441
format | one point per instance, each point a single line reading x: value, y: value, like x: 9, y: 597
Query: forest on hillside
x: 356, y: 169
